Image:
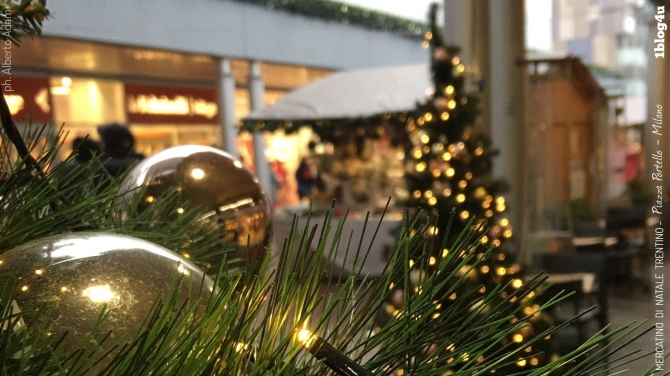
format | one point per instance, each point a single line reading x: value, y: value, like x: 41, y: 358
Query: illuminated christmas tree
x: 450, y: 178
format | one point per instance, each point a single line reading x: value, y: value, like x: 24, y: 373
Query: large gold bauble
x: 80, y: 273
x: 215, y: 182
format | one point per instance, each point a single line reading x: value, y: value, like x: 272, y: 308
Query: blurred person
x: 305, y: 179
x: 119, y: 153
x: 82, y: 166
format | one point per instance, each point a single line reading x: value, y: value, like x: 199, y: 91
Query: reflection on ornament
x: 83, y: 272
x: 215, y: 182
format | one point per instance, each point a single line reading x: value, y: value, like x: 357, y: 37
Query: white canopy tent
x: 353, y: 94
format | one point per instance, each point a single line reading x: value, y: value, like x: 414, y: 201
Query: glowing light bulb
x: 451, y: 104
x: 429, y: 35
x: 455, y: 60
x: 501, y: 271
x: 485, y: 239
x: 425, y: 44
x: 460, y: 68
x: 306, y: 337
x: 444, y: 116
x: 450, y: 172
x: 516, y: 283
x: 417, y: 153
x: 425, y: 139
x: 428, y: 194
x: 484, y: 269
x: 460, y: 198
x: 479, y: 151
x: 420, y: 167
x: 447, y: 192
x: 521, y: 363
x: 462, y: 184
x: 428, y: 116
x: 449, y: 90
x: 446, y: 156
x: 417, y: 194
x: 468, y: 175
x: 465, y: 214
x: 432, y: 201
x: 504, y: 222
x: 453, y: 296
x: 432, y: 261
x: 39, y: 271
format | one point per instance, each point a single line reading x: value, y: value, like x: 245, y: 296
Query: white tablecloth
x: 354, y: 228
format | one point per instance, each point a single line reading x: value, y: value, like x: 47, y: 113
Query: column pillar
x: 227, y: 106
x: 507, y: 47
x: 256, y: 96
x: 466, y: 25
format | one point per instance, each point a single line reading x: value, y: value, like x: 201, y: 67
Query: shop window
x: 242, y: 103
x: 84, y: 104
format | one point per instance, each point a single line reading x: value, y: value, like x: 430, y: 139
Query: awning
x: 352, y: 94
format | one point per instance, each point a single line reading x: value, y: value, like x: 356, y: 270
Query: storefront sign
x: 26, y: 96
x: 168, y: 104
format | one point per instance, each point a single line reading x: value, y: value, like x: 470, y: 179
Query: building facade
x: 186, y: 73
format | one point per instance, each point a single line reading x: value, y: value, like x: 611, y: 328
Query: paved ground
x: 628, y: 305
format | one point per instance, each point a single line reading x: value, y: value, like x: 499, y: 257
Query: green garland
x: 345, y: 13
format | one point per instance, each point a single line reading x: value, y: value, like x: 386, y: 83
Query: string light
x: 451, y: 104
x: 488, y: 213
x: 446, y: 192
x: 485, y: 239
x: 425, y: 44
x: 486, y: 204
x: 501, y: 257
x: 428, y: 194
x: 468, y: 175
x: 446, y: 156
x: 445, y: 252
x: 420, y: 167
x: 449, y: 90
x: 460, y: 68
x: 425, y: 139
x: 485, y: 269
x: 432, y: 201
x: 417, y: 194
x: 464, y: 100
x: 420, y: 121
x: 479, y: 151
x: 436, y: 173
x: 462, y: 184
x: 521, y: 363
x: 455, y: 60
x: 417, y: 153
x: 444, y: 116
x: 432, y: 261
x: 333, y: 358
x: 465, y: 214
x: 501, y: 271
x: 460, y: 198
x: 429, y: 35
x: 516, y: 283
x: 428, y: 116
x: 504, y: 222
x: 450, y: 172
x: 426, y: 149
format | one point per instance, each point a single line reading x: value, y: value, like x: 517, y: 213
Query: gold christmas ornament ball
x: 215, y: 182
x: 80, y: 273
x: 480, y: 193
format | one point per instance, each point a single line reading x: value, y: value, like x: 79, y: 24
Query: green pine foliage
x: 252, y: 322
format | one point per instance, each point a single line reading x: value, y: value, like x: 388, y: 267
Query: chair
x: 569, y: 272
x: 628, y: 225
x: 588, y: 236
